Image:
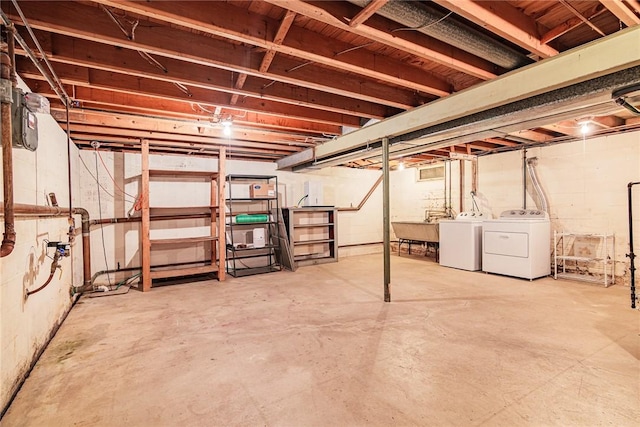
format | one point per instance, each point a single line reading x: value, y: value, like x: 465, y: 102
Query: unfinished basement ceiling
x: 291, y: 74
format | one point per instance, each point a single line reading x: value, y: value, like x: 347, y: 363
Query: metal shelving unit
x: 312, y: 234
x: 244, y: 257
x: 585, y: 257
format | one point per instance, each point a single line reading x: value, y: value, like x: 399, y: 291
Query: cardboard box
x: 259, y: 190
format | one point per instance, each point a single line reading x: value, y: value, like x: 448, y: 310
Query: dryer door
x: 506, y: 243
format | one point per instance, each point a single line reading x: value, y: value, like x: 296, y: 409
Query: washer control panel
x: 524, y: 214
x: 472, y: 215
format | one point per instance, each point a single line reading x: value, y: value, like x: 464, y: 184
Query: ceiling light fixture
x: 401, y: 165
x: 584, y: 127
x: 226, y: 127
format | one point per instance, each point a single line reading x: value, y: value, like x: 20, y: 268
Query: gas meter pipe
x: 51, y: 211
x: 9, y: 236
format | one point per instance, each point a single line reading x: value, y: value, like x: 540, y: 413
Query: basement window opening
x: 430, y: 173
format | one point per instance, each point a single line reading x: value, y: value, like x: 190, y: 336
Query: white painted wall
x: 26, y: 325
x: 585, y: 183
x: 342, y: 187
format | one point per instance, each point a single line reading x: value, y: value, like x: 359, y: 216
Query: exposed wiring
x: 271, y: 83
x: 112, y: 179
x: 423, y: 26
x: 184, y: 89
x: 351, y: 49
x: 301, y: 199
x: 151, y: 60
x: 104, y: 249
x: 297, y: 67
x: 117, y: 22
x: 94, y: 177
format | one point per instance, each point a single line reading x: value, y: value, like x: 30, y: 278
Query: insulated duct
x: 434, y: 23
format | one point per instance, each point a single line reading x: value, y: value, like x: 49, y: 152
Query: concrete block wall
x: 25, y: 325
x: 585, y: 183
x: 342, y: 187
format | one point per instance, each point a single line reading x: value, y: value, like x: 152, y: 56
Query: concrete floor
x: 319, y: 347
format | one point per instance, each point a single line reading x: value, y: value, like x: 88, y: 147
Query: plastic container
x: 251, y: 218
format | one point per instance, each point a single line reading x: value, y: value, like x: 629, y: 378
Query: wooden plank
x: 622, y: 12
x: 162, y: 274
x: 183, y: 173
x: 146, y: 223
x: 182, y: 240
x: 504, y: 20
x: 90, y: 23
x: 213, y: 226
x: 222, y: 241
x: 578, y: 65
x: 133, y: 85
x: 377, y: 30
x: 367, y: 12
x: 84, y: 53
x: 247, y: 28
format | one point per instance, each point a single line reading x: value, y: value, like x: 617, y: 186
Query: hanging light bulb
x: 584, y: 127
x: 226, y: 127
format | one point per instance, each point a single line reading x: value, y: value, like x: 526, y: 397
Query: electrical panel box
x: 24, y: 123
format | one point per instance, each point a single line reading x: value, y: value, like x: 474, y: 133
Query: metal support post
x: 385, y: 218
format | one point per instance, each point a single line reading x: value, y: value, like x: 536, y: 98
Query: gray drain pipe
x: 432, y: 22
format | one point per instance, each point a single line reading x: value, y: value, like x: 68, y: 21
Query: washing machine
x: 461, y: 241
x: 517, y: 244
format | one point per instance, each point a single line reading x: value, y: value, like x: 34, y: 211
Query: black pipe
x: 632, y: 255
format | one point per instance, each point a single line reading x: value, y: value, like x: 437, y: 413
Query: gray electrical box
x: 23, y: 122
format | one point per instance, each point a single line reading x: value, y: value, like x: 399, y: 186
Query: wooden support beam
x: 145, y: 243
x: 332, y: 13
x: 89, y: 23
x: 166, y: 136
x: 366, y: 12
x: 131, y: 85
x: 84, y: 54
x: 582, y: 17
x: 293, y: 130
x: 235, y: 24
x: 581, y: 64
x: 182, y: 127
x: 622, y: 12
x: 285, y: 24
x: 570, y: 24
x: 222, y: 221
x: 533, y: 135
x: 504, y: 20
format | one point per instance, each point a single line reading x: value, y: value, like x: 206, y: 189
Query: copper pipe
x: 9, y: 236
x: 51, y: 211
x: 54, y: 266
x: 122, y: 220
